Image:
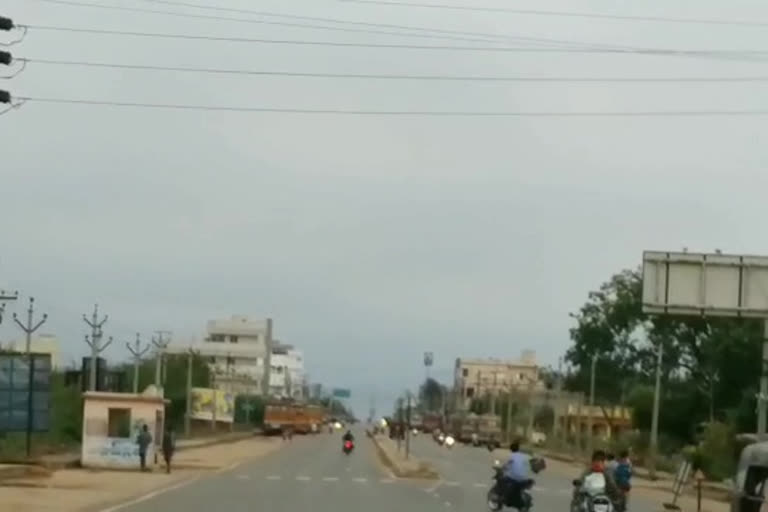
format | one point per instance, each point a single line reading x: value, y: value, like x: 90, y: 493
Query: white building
x: 287, y: 377
x: 238, y: 350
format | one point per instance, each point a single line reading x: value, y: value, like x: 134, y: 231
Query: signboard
x: 716, y: 284
x: 341, y: 393
x: 25, y: 384
x: 203, y: 400
x: 429, y: 358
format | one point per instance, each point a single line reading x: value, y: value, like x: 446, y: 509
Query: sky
x: 369, y: 239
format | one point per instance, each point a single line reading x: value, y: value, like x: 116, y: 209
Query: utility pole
x: 160, y: 343
x: 509, y: 413
x: 188, y: 415
x: 494, y: 392
x: 138, y: 353
x: 408, y: 427
x: 590, y: 417
x: 3, y: 299
x: 28, y: 330
x: 653, y: 447
x: 265, y: 385
x: 556, y: 431
x: 95, y: 343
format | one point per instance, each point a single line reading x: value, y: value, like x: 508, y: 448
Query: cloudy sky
x: 370, y: 239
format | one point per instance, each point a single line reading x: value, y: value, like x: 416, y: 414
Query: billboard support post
x: 711, y: 284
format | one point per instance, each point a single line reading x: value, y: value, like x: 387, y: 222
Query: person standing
x: 169, y: 446
x: 144, y: 439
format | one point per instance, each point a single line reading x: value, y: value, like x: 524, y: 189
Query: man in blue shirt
x: 516, y: 474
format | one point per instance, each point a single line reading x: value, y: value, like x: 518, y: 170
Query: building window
x: 233, y: 339
x: 119, y: 423
x: 465, y: 372
x: 470, y: 392
x: 218, y: 338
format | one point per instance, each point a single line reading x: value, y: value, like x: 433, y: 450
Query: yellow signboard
x: 205, y: 400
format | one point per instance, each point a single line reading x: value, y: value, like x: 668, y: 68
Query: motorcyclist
x: 515, y: 475
x: 623, y: 476
x: 597, y: 465
x: 348, y: 437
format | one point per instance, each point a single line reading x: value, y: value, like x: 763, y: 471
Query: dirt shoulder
x: 79, y: 490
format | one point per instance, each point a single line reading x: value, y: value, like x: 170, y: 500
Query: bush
x: 716, y: 455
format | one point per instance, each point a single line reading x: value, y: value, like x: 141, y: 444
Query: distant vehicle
x: 348, y: 447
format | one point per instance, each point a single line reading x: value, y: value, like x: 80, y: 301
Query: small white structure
x: 111, y: 423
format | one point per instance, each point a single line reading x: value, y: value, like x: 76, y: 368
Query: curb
x: 424, y: 470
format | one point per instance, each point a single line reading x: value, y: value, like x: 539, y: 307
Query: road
x: 311, y: 474
x: 466, y: 472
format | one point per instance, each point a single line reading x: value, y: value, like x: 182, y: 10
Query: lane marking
x: 483, y: 486
x: 243, y: 477
x: 447, y: 503
x: 386, y: 481
x: 303, y: 478
x: 151, y: 495
x: 434, y: 487
x: 360, y: 480
x: 330, y: 479
x: 274, y: 477
x: 452, y: 484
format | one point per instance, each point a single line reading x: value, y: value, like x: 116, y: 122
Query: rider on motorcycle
x: 515, y: 475
x: 348, y: 436
x: 598, y: 465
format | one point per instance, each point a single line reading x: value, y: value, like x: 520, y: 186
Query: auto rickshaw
x: 749, y: 491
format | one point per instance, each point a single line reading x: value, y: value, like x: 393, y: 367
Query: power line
x: 500, y: 49
x: 375, y: 76
x: 486, y: 38
x: 403, y: 113
x: 571, y: 14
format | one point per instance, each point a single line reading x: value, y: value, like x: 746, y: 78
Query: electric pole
x: 138, y: 353
x: 28, y: 330
x: 188, y: 415
x: 3, y: 299
x: 591, y: 413
x: 95, y: 343
x: 653, y: 447
x: 160, y: 343
x: 558, y: 400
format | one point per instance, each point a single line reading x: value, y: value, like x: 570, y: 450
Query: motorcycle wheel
x: 494, y: 501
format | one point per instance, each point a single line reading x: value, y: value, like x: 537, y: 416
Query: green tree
x: 431, y: 395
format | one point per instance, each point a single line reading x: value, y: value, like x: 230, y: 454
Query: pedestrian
x: 169, y: 446
x: 144, y: 439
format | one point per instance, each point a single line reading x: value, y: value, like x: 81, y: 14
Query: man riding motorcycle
x: 598, y: 465
x: 516, y: 475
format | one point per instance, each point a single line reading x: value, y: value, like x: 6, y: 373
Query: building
x: 608, y: 422
x: 477, y: 378
x: 111, y: 423
x: 287, y: 377
x: 238, y: 351
x: 42, y: 344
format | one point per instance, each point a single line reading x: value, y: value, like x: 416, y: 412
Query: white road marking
x: 360, y: 480
x: 436, y: 495
x: 483, y: 486
x: 330, y: 479
x: 434, y: 487
x: 386, y: 481
x: 243, y: 477
x: 447, y: 503
x: 274, y: 477
x: 452, y: 484
x: 303, y: 478
x: 151, y: 495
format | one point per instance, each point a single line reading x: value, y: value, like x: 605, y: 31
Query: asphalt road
x: 466, y: 473
x: 312, y: 474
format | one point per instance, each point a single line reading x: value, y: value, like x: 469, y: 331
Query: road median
x: 398, y: 464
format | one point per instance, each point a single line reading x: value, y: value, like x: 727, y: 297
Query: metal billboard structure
x: 710, y: 284
x: 683, y: 283
x: 25, y: 393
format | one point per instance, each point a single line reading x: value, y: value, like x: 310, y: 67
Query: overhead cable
x: 402, y: 113
x: 715, y: 53
x: 572, y: 14
x: 396, y: 76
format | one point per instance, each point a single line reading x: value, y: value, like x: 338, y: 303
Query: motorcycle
x: 440, y: 439
x: 348, y: 447
x: 495, y: 499
x: 449, y: 442
x: 591, y: 495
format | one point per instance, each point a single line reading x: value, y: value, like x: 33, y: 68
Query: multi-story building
x: 239, y: 352
x: 287, y: 377
x: 476, y: 378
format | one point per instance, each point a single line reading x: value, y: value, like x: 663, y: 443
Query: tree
x: 431, y: 395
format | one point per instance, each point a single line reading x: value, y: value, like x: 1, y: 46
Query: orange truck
x: 299, y: 418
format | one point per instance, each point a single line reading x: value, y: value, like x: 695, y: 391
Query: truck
x: 431, y: 422
x: 299, y: 418
x: 480, y: 430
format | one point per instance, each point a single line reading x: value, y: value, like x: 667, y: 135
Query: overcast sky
x: 369, y: 239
